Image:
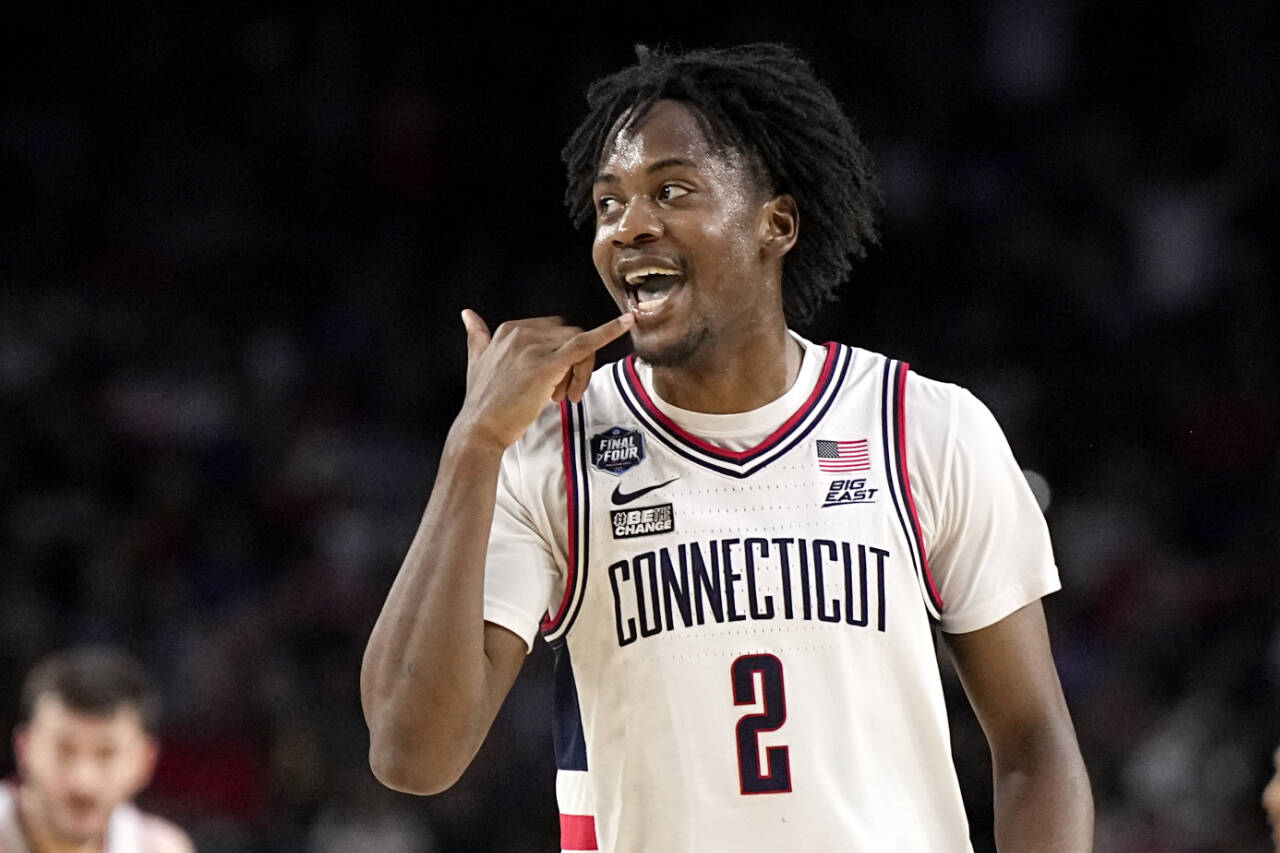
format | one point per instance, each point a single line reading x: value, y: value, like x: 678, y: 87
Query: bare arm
x: 1042, y: 796
x: 434, y: 672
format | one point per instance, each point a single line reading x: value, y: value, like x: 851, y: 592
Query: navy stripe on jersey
x: 566, y: 716
x: 893, y: 427
x: 732, y: 463
x: 578, y: 512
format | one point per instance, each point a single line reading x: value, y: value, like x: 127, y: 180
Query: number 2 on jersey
x: 773, y: 714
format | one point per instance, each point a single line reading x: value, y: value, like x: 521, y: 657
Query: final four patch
x: 617, y: 450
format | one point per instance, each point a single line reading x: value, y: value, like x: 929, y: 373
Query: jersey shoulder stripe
x: 894, y: 429
x: 578, y: 518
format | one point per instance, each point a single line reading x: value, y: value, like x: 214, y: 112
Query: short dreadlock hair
x: 764, y: 102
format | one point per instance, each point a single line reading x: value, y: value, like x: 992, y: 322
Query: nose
x: 84, y: 776
x: 639, y: 223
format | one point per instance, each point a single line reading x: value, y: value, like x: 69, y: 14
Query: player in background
x: 729, y: 194
x: 84, y: 747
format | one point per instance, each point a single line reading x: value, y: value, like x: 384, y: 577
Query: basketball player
x: 737, y: 541
x: 84, y: 748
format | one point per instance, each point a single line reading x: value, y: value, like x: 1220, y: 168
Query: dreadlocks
x: 763, y: 101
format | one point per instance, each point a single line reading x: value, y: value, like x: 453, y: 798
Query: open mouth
x: 649, y: 287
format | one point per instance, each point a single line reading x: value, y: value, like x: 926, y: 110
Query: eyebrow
x: 609, y: 177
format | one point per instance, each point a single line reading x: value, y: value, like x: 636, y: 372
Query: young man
x: 737, y: 542
x: 84, y: 748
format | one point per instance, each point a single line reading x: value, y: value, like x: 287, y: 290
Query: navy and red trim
x: 893, y: 417
x: 730, y: 462
x: 578, y: 511
x: 577, y: 825
x: 578, y: 832
x: 566, y: 720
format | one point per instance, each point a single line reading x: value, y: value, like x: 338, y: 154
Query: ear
x: 779, y: 226
x: 147, y: 762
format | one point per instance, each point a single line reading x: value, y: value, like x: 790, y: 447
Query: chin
x: 671, y: 353
x: 81, y: 830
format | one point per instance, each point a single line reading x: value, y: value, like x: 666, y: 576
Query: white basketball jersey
x: 125, y: 827
x: 745, y: 659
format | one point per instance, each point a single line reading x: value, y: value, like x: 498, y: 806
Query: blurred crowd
x: 234, y: 247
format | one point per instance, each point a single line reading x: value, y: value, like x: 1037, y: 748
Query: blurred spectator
x: 84, y: 748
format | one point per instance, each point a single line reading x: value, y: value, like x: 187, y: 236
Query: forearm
x: 1042, y: 797
x: 426, y: 683
x: 434, y: 674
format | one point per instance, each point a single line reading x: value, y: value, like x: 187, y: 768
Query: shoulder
x: 164, y: 836
x: 943, y: 412
x: 10, y: 834
x: 933, y: 410
x: 949, y: 434
x: 931, y: 405
x: 934, y: 407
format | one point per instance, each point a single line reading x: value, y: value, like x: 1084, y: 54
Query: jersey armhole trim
x: 577, y: 517
x: 893, y: 431
x: 577, y: 832
x: 900, y: 405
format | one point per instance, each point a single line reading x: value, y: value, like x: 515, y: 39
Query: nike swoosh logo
x: 620, y: 497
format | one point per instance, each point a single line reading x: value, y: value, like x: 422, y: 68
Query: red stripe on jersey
x: 578, y: 832
x: 777, y: 435
x: 901, y: 418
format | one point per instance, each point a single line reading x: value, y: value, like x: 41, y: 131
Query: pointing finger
x: 585, y: 344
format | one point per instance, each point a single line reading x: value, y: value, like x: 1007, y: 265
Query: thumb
x: 477, y: 334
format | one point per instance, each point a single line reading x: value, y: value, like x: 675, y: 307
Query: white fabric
x: 986, y: 539
x: 573, y: 792
x: 125, y: 827
x: 865, y: 725
x: 742, y: 430
x: 11, y: 838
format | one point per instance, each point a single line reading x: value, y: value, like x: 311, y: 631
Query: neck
x: 757, y: 371
x: 40, y: 837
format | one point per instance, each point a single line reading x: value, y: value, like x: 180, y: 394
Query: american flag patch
x: 838, y: 457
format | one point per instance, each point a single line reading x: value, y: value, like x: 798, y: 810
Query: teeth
x: 635, y: 276
x: 650, y: 304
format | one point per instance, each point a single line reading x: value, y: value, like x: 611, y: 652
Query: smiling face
x: 76, y: 767
x: 688, y: 240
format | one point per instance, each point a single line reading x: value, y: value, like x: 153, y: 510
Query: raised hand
x: 513, y: 372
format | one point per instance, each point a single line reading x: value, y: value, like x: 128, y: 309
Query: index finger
x: 585, y: 343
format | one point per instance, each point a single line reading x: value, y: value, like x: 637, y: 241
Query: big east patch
x: 841, y: 492
x: 617, y: 449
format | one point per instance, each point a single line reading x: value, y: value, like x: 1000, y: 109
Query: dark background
x: 235, y: 239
